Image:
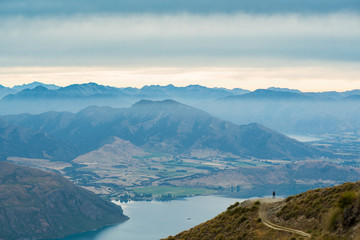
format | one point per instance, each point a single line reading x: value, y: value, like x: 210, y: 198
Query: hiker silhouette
x: 273, y: 194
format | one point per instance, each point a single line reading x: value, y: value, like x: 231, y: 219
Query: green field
x: 174, y: 191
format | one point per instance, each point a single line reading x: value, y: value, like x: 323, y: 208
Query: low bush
x: 346, y: 199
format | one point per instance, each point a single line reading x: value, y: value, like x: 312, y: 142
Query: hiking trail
x: 263, y: 215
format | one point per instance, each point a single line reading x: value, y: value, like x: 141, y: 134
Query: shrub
x: 346, y: 199
x: 242, y: 219
x: 219, y: 237
x: 255, y: 208
x: 333, y: 217
x: 233, y: 206
x: 289, y: 198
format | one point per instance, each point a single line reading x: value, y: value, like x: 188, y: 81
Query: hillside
x: 327, y: 213
x: 23, y: 142
x: 167, y: 127
x: 40, y: 205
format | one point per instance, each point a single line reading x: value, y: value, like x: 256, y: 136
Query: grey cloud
x: 178, y: 38
x: 65, y: 7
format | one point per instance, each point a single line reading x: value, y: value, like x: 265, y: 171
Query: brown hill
x: 35, y: 204
x: 327, y: 213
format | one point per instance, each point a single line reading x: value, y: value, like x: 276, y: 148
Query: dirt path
x: 263, y: 215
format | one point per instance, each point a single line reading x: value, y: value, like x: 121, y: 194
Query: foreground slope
x: 35, y: 205
x: 326, y: 213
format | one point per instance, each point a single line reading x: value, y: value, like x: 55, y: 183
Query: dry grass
x: 329, y: 214
x: 237, y: 222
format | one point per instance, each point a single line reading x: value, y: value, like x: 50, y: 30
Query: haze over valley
x: 164, y: 149
x: 162, y: 119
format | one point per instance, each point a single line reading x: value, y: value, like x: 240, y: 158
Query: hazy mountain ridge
x: 75, y: 97
x: 44, y: 205
x: 5, y: 91
x: 290, y: 115
x: 23, y: 142
x: 38, y: 91
x: 294, y: 95
x: 167, y: 127
x: 34, y: 85
x: 72, y: 91
x: 281, y: 109
x: 271, y: 94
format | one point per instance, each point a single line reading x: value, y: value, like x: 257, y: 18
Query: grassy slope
x: 237, y: 222
x: 328, y: 213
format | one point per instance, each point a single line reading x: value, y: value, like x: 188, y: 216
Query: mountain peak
x: 34, y: 85
x: 145, y: 102
x: 39, y: 88
x: 283, y: 89
x: 274, y: 94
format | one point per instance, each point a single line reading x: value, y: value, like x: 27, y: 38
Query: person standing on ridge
x: 273, y: 194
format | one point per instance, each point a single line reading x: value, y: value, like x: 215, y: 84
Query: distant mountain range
x: 72, y: 91
x: 271, y: 94
x: 282, y: 109
x: 43, y: 205
x: 161, y: 126
x: 38, y: 98
x: 39, y: 91
x: 4, y: 91
x: 293, y: 94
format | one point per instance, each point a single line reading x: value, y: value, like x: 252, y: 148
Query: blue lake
x: 155, y: 220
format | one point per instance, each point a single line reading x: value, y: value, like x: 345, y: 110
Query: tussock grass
x: 329, y: 212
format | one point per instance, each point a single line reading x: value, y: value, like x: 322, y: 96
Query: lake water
x: 155, y: 220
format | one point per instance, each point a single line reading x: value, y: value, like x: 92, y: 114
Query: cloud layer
x: 250, y: 44
x: 146, y: 39
x: 71, y: 7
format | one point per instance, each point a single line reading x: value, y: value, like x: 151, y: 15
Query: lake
x: 155, y: 220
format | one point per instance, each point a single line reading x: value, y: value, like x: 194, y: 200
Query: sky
x: 308, y: 45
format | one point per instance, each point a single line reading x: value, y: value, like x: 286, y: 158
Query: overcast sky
x: 254, y: 44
